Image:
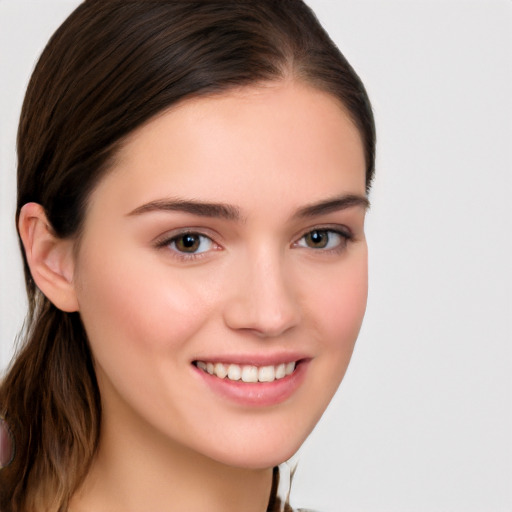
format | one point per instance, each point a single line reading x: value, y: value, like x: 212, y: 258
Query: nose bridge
x: 263, y: 300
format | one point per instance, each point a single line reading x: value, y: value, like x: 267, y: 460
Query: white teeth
x: 266, y: 374
x: 281, y: 371
x: 234, y: 372
x: 290, y: 367
x: 248, y: 373
x: 220, y: 370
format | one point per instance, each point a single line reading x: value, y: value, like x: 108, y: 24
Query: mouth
x: 247, y: 373
x: 249, y: 384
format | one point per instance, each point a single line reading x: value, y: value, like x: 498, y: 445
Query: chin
x: 264, y: 452
x: 257, y: 461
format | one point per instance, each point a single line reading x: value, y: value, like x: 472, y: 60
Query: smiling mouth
x: 247, y: 373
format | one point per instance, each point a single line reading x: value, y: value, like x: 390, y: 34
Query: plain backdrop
x: 423, y: 419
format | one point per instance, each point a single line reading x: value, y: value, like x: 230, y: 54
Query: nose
x: 261, y: 298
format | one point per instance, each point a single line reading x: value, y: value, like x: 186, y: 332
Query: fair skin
x: 230, y: 230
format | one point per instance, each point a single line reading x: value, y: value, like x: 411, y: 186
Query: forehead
x: 279, y: 138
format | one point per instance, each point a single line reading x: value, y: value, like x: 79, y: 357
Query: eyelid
x: 194, y: 230
x: 341, y: 230
x: 163, y: 242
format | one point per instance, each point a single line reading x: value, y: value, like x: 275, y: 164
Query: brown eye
x: 191, y: 243
x: 317, y: 239
x: 324, y: 239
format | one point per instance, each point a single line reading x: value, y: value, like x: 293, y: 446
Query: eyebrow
x: 232, y: 213
x: 333, y: 205
x: 202, y: 209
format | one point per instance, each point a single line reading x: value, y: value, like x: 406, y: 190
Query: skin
x: 257, y: 286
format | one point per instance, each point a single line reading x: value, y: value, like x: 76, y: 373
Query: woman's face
x: 228, y: 238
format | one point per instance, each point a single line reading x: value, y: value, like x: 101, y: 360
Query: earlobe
x: 49, y: 257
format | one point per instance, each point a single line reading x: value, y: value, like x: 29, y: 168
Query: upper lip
x: 254, y: 359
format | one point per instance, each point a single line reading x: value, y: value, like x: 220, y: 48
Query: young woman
x: 192, y: 188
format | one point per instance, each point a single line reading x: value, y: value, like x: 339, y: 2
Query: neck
x: 137, y: 469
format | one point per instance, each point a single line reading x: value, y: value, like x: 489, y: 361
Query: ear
x: 49, y: 257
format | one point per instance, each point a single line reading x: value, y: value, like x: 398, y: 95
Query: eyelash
x: 168, y: 241
x: 344, y: 234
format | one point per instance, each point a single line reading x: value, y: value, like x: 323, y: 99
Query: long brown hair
x: 112, y: 66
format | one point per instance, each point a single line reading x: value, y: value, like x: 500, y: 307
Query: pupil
x: 318, y: 238
x: 188, y: 242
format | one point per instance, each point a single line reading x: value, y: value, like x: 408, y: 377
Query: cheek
x: 338, y: 306
x: 138, y: 308
x: 340, y: 303
x: 141, y: 321
x: 348, y: 305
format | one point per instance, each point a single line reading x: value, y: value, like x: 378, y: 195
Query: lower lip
x: 253, y: 394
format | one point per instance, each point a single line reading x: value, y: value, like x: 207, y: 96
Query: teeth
x: 220, y: 370
x: 248, y: 373
x: 234, y: 372
x: 266, y: 374
x: 281, y: 371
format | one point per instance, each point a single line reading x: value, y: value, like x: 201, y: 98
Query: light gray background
x: 423, y: 420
